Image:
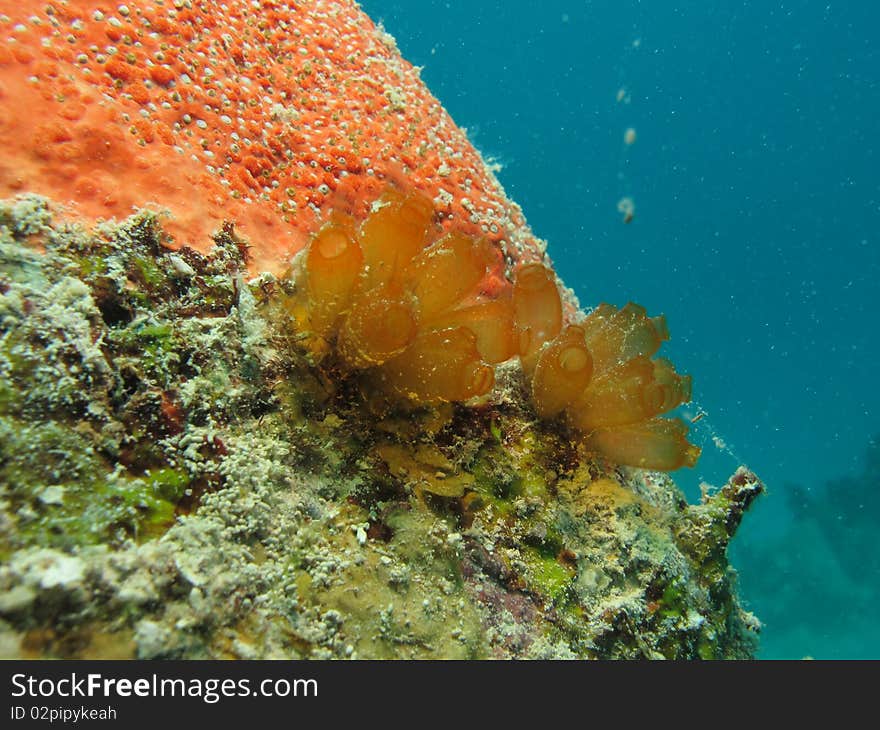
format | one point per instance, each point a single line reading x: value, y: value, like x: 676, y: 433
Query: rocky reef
x: 179, y: 478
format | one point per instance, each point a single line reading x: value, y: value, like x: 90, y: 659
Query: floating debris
x: 627, y: 208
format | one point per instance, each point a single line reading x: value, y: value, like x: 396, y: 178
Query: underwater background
x: 752, y: 168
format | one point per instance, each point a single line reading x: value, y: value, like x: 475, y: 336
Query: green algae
x: 65, y: 495
x: 545, y: 575
x: 148, y: 273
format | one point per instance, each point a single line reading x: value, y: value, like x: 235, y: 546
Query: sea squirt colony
x: 429, y: 314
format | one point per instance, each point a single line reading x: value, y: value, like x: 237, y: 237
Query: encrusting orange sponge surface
x: 421, y: 311
x: 260, y: 113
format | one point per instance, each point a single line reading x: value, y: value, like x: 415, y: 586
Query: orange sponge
x: 281, y: 116
x: 265, y: 114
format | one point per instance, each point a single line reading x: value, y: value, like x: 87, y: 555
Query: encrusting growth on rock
x: 180, y: 480
x: 429, y: 314
x: 266, y: 114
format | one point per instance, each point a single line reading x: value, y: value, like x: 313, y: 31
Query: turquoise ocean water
x: 755, y: 180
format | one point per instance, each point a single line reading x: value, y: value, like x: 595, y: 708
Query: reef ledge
x: 178, y: 480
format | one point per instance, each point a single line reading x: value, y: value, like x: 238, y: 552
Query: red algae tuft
x: 263, y: 116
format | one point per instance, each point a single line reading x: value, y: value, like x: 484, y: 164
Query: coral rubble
x: 182, y: 476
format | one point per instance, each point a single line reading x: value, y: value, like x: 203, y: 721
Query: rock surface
x: 178, y: 480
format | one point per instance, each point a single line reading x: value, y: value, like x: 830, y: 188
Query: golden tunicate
x: 537, y: 310
x: 426, y: 315
x: 563, y: 371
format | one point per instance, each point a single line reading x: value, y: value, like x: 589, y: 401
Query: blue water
x: 755, y: 180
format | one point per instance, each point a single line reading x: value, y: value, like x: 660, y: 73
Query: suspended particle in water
x: 629, y: 136
x: 703, y: 429
x: 627, y: 208
x: 622, y: 96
